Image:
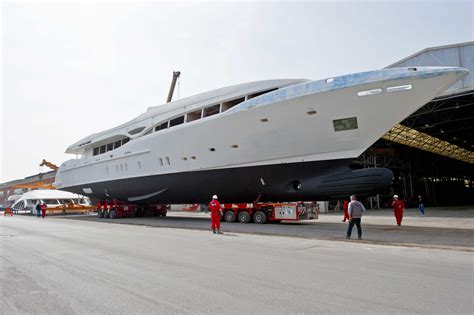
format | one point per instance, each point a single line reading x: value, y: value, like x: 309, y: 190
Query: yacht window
x: 345, y: 124
x: 102, y: 149
x: 192, y: 116
x: 230, y: 104
x: 110, y: 146
x: 259, y: 93
x: 51, y: 201
x: 117, y: 144
x: 211, y: 110
x: 148, y: 132
x: 96, y: 151
x: 161, y: 126
x: 176, y: 121
x: 136, y: 130
x: 125, y: 140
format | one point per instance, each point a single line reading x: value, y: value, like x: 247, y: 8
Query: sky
x: 72, y: 69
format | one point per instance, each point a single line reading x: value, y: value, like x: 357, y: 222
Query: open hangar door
x: 432, y: 151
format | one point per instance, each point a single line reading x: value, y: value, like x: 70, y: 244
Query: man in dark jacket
x: 355, y: 215
x: 38, y: 208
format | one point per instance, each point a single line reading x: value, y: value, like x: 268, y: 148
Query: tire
x: 106, y: 214
x: 260, y: 217
x: 229, y: 216
x: 244, y: 217
x: 100, y: 214
x: 113, y: 214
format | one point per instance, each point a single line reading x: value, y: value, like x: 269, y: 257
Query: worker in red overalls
x: 345, y: 207
x: 43, y: 210
x: 398, y: 208
x: 216, y: 213
x: 8, y: 210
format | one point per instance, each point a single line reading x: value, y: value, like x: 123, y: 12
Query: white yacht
x: 275, y: 140
x: 50, y: 197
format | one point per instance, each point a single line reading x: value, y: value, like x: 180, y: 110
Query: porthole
x: 264, y: 120
x: 193, y: 157
x: 398, y: 88
x: 235, y: 146
x: 369, y: 92
x: 185, y: 158
x: 311, y: 112
x: 212, y: 149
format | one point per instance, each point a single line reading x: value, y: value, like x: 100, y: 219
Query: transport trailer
x: 117, y: 209
x: 270, y: 212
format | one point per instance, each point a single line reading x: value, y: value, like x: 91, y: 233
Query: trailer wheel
x: 260, y: 217
x: 113, y: 214
x: 100, y: 214
x: 230, y: 216
x: 244, y: 217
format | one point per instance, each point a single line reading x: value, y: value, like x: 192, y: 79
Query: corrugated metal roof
x: 455, y: 55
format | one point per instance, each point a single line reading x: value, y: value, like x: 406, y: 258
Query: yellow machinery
x: 49, y: 164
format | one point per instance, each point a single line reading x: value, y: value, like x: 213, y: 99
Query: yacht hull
x: 322, y: 180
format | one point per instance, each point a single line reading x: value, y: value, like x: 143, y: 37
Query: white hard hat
x: 395, y: 196
x: 214, y: 197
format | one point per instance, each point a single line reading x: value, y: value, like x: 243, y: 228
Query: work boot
x: 214, y: 231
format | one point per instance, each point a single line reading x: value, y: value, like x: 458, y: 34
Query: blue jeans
x: 355, y: 221
x: 421, y: 207
x: 38, y: 213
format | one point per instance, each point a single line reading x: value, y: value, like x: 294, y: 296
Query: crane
x: 176, y: 75
x: 49, y: 164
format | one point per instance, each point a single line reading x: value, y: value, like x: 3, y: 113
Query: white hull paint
x: 291, y: 125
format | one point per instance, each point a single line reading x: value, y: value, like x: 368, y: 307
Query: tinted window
x: 177, y: 121
x: 102, y: 149
x: 110, y: 146
x: 193, y: 115
x: 345, y: 124
x: 96, y: 151
x: 136, y: 130
x: 211, y: 110
x: 125, y: 140
x: 117, y: 144
x: 161, y: 126
x: 230, y: 104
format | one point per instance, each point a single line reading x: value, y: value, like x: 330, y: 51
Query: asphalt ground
x: 442, y: 228
x: 61, y: 266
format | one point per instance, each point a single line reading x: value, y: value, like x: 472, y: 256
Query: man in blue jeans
x: 355, y: 214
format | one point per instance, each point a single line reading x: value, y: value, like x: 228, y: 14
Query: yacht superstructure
x: 279, y: 140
